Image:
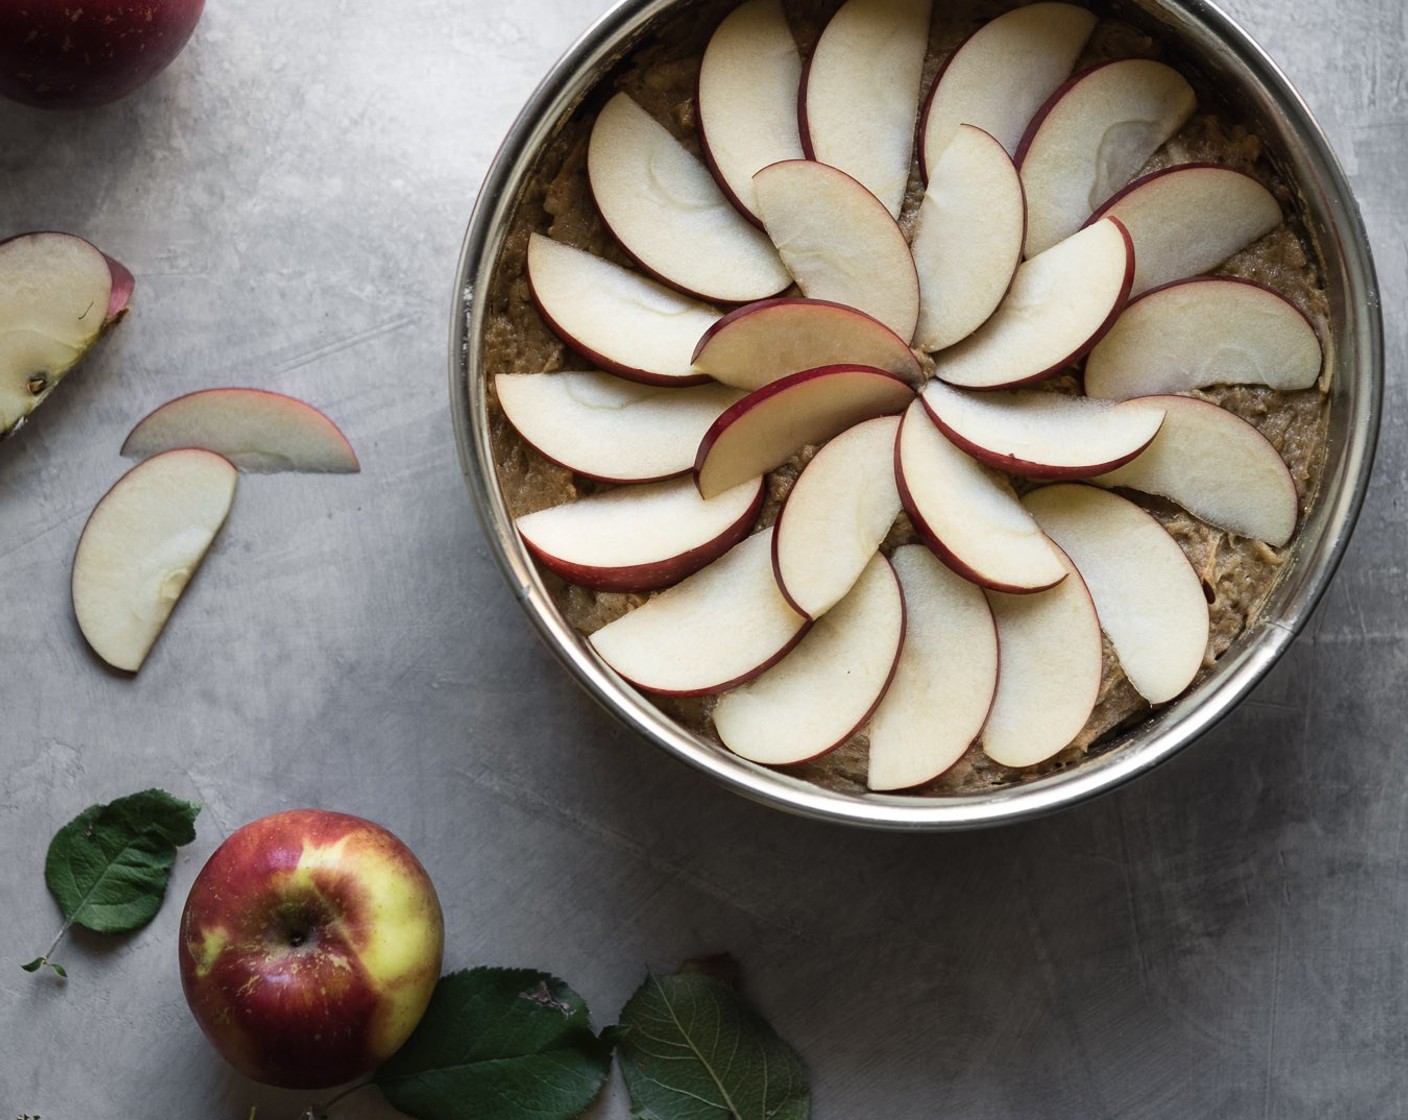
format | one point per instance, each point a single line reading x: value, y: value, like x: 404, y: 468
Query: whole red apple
x: 64, y: 54
x: 310, y: 944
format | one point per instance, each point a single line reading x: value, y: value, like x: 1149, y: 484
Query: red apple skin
x: 310, y: 944
x: 59, y: 55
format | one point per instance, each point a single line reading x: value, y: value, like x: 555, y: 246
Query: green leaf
x: 692, y: 1049
x: 498, y: 1044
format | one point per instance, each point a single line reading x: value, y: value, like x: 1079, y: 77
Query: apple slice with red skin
x: 968, y: 514
x: 1091, y: 137
x: 667, y: 212
x: 945, y: 678
x: 259, y: 431
x: 1041, y: 434
x: 1060, y: 304
x: 1187, y: 220
x: 839, y: 241
x: 1149, y: 599
x: 640, y: 538
x: 621, y: 320
x: 771, y: 424
x: 609, y: 429
x: 140, y: 547
x: 747, y: 99
x: 824, y: 690
x: 1217, y: 467
x: 860, y: 91
x: 710, y: 632
x: 58, y: 295
x: 839, y: 511
x: 756, y: 344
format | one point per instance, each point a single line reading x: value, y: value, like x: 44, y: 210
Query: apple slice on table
x: 837, y: 514
x: 613, y: 430
x: 639, y: 538
x: 1217, y: 467
x: 747, y: 99
x: 945, y: 678
x: 1150, y: 602
x: 619, y: 319
x: 760, y: 342
x: 771, y: 424
x: 1060, y: 304
x: 1091, y: 137
x: 823, y: 691
x: 716, y: 629
x: 1041, y: 434
x: 839, y: 241
x: 968, y: 514
x: 665, y: 209
x: 140, y: 547
x: 860, y: 93
x: 58, y: 294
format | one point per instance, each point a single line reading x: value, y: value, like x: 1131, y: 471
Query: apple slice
x: 719, y: 627
x: 257, y: 430
x: 823, y: 691
x: 967, y: 237
x: 1217, y: 467
x: 619, y: 319
x: 668, y: 213
x: 840, y: 509
x: 1146, y: 593
x: 58, y: 294
x: 860, y: 93
x: 771, y: 424
x: 756, y: 344
x: 1091, y: 137
x: 747, y: 101
x: 1050, y: 661
x: 969, y: 515
x: 1043, y: 434
x: 1209, y: 331
x: 944, y: 681
x: 142, y: 544
x: 1000, y: 75
x: 639, y: 538
x: 1060, y: 304
x: 839, y: 241
x: 1188, y: 219
x: 609, y: 429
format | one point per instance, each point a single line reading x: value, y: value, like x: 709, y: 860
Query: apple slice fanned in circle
x: 640, y: 538
x: 824, y: 690
x: 667, y: 212
x: 716, y: 629
x: 1149, y: 599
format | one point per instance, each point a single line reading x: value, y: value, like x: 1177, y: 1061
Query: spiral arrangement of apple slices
x: 914, y: 358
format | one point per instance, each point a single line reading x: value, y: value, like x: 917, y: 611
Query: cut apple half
x: 1217, y: 467
x: 258, y: 431
x: 836, y: 515
x: 824, y: 690
x: 667, y: 212
x: 1060, y: 304
x: 761, y: 342
x: 945, y: 678
x: 712, y: 631
x: 621, y: 320
x: 1210, y: 331
x: 140, y: 547
x: 1091, y: 137
x: 968, y: 514
x: 1150, y: 602
x: 771, y: 424
x: 605, y: 428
